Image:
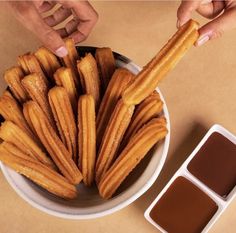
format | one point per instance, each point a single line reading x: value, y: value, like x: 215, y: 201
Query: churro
x: 71, y: 59
x: 38, y: 91
x: 119, y: 81
x: 64, y: 77
x: 36, y: 171
x: 147, y: 80
x: 12, y: 133
x: 13, y: 77
x: 52, y: 143
x: 134, y: 152
x: 64, y: 117
x: 89, y: 77
x: 106, y: 65
x: 87, y: 137
x: 113, y: 135
x: 48, y: 61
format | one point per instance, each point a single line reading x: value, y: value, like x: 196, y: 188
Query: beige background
x: 201, y: 91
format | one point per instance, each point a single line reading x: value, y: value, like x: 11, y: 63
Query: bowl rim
x: 122, y: 204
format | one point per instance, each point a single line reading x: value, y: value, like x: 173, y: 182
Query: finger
x: 32, y: 20
x: 217, y: 27
x: 87, y: 19
x: 69, y: 28
x: 185, y: 11
x: 45, y: 6
x: 211, y: 10
x: 58, y: 16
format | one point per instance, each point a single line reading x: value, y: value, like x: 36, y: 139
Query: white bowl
x: 89, y: 204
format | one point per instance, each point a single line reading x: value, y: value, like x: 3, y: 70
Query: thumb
x: 217, y: 27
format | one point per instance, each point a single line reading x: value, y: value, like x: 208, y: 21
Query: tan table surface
x: 199, y: 92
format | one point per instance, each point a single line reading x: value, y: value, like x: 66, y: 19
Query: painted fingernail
x: 202, y: 40
x: 61, y: 52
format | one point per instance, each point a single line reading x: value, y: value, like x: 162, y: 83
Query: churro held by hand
x: 13, y: 134
x: 112, y: 137
x: 89, y: 77
x: 119, y: 81
x: 147, y: 80
x: 36, y: 171
x: 48, y: 61
x: 71, y: 59
x: 63, y: 77
x: 64, y: 117
x: 106, y: 65
x: 13, y: 77
x: 11, y: 111
x: 54, y: 146
x: 87, y: 138
x: 134, y: 152
x: 30, y: 64
x: 38, y: 91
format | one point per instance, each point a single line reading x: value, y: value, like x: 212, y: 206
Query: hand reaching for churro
x: 29, y: 13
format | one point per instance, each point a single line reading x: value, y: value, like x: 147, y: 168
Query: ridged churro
x: 71, y: 59
x: 64, y: 117
x: 13, y: 77
x: 113, y: 135
x: 52, y: 143
x: 63, y: 77
x: 87, y: 137
x: 36, y: 171
x: 38, y: 91
x: 48, y: 61
x: 89, y: 77
x: 11, y: 111
x: 134, y: 152
x: 149, y: 108
x: 119, y: 81
x: 146, y: 81
x: 12, y: 133
x: 30, y: 64
x: 106, y: 65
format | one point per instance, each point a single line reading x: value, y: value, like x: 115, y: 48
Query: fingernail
x: 178, y: 24
x: 202, y: 40
x: 61, y: 52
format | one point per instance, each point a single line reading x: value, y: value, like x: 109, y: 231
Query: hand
x: 29, y: 14
x: 223, y: 14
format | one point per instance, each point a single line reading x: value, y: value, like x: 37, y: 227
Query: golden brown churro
x: 149, y: 108
x: 38, y: 91
x: 71, y: 59
x: 52, y: 143
x: 87, y: 137
x: 11, y: 111
x: 146, y: 81
x: 118, y: 83
x: 63, y: 114
x: 89, y: 77
x: 63, y: 77
x: 134, y: 152
x: 11, y: 133
x: 113, y: 135
x: 106, y: 65
x: 13, y: 77
x: 30, y: 64
x: 36, y: 171
x: 48, y: 61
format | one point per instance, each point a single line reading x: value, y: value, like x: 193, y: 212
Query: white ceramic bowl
x: 88, y: 204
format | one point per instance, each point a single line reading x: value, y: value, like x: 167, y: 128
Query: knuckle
x: 217, y: 34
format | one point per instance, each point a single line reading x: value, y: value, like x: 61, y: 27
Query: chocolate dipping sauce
x: 183, y: 208
x: 215, y: 164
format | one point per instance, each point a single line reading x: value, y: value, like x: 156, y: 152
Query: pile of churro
x: 82, y: 119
